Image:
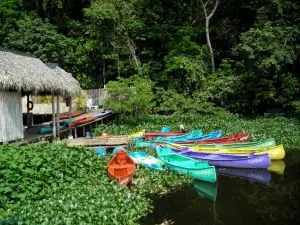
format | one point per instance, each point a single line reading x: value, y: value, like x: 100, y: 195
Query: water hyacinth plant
x: 56, y: 184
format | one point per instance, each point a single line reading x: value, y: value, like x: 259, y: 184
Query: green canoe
x: 178, y: 163
x: 244, y: 145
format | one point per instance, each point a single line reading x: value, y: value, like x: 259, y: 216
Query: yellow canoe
x: 277, y: 166
x: 275, y: 152
x: 136, y: 135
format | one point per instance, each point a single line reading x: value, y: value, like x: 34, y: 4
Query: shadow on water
x: 240, y: 196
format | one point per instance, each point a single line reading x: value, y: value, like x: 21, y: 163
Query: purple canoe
x: 224, y: 160
x: 262, y: 176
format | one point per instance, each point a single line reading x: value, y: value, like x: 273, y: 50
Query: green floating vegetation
x: 56, y: 184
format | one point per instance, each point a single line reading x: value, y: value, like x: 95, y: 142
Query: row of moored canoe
x: 195, y: 154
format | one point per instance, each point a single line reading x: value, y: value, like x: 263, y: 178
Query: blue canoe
x: 212, y: 135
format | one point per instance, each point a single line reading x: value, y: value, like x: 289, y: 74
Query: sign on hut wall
x: 11, y: 124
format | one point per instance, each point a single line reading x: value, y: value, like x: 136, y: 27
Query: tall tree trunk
x: 135, y: 59
x: 207, y: 18
x: 103, y: 73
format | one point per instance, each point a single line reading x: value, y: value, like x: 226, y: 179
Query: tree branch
x: 213, y: 10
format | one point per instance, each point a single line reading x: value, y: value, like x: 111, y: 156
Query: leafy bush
x: 80, y: 100
x: 220, y: 87
x: 131, y: 96
x: 170, y: 102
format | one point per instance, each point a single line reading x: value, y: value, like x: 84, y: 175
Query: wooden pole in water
x: 53, y: 118
x: 57, y: 116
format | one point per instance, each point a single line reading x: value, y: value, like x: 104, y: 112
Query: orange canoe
x: 66, y: 115
x: 121, y: 168
x: 82, y: 120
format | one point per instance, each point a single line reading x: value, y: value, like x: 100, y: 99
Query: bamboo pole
x: 53, y: 118
x: 27, y: 111
x: 70, y: 110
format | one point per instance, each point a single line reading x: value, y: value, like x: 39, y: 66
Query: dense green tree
x: 255, y: 45
x: 10, y: 12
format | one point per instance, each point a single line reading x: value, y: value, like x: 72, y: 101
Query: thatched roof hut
x: 68, y: 82
x: 30, y: 75
x: 23, y: 75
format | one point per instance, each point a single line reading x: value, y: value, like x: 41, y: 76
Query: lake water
x: 240, y: 197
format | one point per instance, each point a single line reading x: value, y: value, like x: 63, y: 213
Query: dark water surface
x: 256, y: 197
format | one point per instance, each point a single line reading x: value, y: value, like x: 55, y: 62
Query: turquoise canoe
x: 193, y: 134
x: 178, y: 163
x: 147, y: 161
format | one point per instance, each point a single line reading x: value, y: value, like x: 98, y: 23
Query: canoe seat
x: 116, y: 166
x: 120, y: 172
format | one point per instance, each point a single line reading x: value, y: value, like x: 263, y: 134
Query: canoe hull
x: 66, y: 115
x: 195, y: 138
x: 152, y: 135
x: 275, y: 153
x: 205, y: 174
x: 235, y: 138
x: 147, y: 161
x: 122, y: 180
x: 250, y: 161
x: 181, y: 164
x: 179, y: 137
x: 244, y: 145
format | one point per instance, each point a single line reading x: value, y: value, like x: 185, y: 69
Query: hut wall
x: 11, y: 122
x: 44, y: 108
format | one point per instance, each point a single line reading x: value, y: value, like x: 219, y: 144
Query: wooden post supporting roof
x: 57, y: 116
x: 53, y: 118
x: 70, y: 110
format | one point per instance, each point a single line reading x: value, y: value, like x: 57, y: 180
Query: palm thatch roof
x: 67, y: 79
x: 30, y: 75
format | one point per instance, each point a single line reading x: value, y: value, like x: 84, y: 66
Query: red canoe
x: 153, y: 135
x: 236, y: 137
x: 121, y: 168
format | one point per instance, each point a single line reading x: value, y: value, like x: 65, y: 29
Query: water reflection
x: 277, y: 166
x: 262, y: 176
x: 240, y: 196
x: 205, y: 190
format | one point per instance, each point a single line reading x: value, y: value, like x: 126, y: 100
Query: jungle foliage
x: 255, y: 45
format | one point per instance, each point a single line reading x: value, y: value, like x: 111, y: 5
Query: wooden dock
x: 98, y: 141
x: 32, y: 134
